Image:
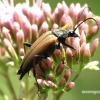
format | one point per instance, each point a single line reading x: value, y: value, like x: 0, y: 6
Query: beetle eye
x: 72, y: 32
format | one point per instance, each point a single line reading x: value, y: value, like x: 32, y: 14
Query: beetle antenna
x: 80, y: 15
x: 84, y: 21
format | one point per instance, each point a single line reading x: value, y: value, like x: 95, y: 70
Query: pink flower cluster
x: 23, y: 23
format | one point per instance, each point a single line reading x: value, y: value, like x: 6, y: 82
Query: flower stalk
x: 57, y: 96
x: 10, y: 86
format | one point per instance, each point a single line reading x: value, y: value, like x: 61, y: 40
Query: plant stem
x: 41, y: 97
x: 10, y: 86
x: 33, y: 92
x: 3, y: 95
x: 57, y: 95
x: 26, y: 88
x: 76, y: 76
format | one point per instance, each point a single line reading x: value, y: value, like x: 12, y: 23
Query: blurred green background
x: 88, y: 80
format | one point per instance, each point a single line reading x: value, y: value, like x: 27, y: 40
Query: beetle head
x: 72, y: 33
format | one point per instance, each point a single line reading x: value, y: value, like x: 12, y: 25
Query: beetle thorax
x: 60, y: 32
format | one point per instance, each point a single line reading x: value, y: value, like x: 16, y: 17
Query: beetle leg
x: 63, y: 42
x: 36, y: 61
x: 69, y: 46
x: 27, y: 44
x: 42, y: 56
x: 39, y: 57
x: 58, y: 45
x: 34, y: 74
x: 62, y: 39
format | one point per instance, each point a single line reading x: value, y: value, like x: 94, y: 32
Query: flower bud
x: 55, y: 26
x: 26, y: 27
x: 65, y: 7
x: 50, y: 77
x: 34, y: 29
x: 60, y: 9
x: 94, y: 46
x: 66, y: 19
x: 73, y: 12
x: 84, y: 13
x: 84, y: 27
x: 3, y: 52
x: 38, y: 73
x: 32, y: 16
x: 46, y: 9
x: 44, y: 27
x: 93, y: 30
x: 57, y: 55
x: 55, y: 16
x: 11, y: 50
x: 67, y: 74
x: 18, y: 13
x: 89, y: 14
x: 25, y: 9
x: 69, y: 57
x: 68, y: 41
x: 6, y: 34
x: 70, y: 85
x: 38, y: 14
x: 86, y: 54
x: 82, y: 50
x: 60, y: 68
x: 20, y: 38
x: 83, y: 38
x: 98, y: 20
x: 76, y: 45
x: 8, y: 22
x: 50, y: 63
x: 21, y: 52
x: 43, y: 65
x: 16, y: 26
x: 51, y: 84
x: 42, y: 83
x: 62, y: 83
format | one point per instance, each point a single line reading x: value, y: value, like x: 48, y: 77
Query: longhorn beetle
x: 45, y: 45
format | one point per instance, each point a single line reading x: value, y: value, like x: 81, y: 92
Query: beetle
x: 42, y: 47
x: 45, y: 45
